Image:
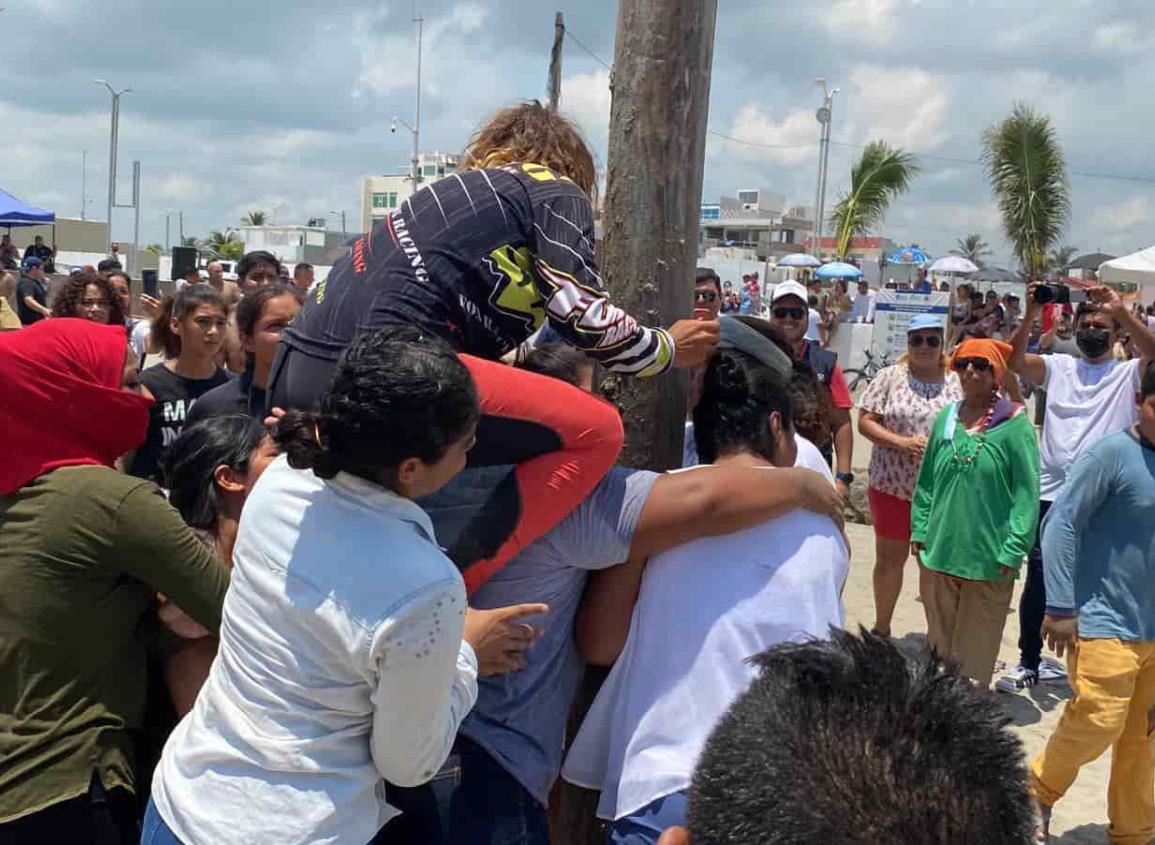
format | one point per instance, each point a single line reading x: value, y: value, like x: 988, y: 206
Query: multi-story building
x: 756, y: 220
x: 381, y: 194
x: 292, y: 244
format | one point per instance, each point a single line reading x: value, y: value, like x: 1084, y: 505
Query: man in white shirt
x: 814, y: 329
x: 863, y: 310
x: 702, y: 610
x: 1087, y: 399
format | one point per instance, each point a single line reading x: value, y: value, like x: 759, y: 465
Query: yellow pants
x: 1114, y: 685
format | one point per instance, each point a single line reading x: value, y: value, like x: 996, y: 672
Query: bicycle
x: 858, y: 379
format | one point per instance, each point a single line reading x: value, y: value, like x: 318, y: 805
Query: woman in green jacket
x: 975, y: 508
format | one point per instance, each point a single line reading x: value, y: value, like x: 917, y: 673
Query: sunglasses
x: 789, y: 313
x: 705, y: 296
x: 931, y: 340
x: 981, y: 365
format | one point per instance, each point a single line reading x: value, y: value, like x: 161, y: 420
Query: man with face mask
x: 1087, y: 399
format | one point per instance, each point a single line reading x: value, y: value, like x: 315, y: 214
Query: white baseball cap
x: 790, y: 288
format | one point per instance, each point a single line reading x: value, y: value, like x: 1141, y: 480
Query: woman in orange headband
x: 975, y: 510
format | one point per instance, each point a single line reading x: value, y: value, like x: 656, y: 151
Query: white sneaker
x: 1051, y: 670
x: 1017, y: 679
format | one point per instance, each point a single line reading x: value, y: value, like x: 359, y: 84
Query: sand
x: 1081, y: 817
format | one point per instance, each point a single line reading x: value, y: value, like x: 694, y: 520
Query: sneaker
x: 1051, y: 670
x: 1018, y: 679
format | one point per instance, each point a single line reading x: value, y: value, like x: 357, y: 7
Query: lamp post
x: 823, y: 116
x: 114, y: 132
x: 342, y: 213
x: 414, y: 164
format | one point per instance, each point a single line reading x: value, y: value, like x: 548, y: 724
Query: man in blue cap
x: 32, y: 293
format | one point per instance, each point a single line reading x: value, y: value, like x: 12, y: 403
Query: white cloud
x: 791, y: 140
x: 873, y: 21
x: 1137, y: 210
x: 177, y: 188
x: 1121, y: 37
x: 585, y: 98
x: 904, y: 106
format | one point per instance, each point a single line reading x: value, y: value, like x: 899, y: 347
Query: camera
x: 1058, y: 294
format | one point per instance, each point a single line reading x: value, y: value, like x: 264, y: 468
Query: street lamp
x: 414, y: 164
x: 823, y: 116
x: 342, y: 213
x: 114, y: 132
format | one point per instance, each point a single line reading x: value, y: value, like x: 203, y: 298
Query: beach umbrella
x: 953, y: 264
x: 799, y: 259
x: 908, y: 255
x: 838, y: 270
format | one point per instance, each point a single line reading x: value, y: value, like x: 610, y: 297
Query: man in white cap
x: 789, y: 313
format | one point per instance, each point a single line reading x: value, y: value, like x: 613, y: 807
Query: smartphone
x: 151, y: 282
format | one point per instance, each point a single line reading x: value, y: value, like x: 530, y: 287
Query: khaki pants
x: 1114, y: 685
x: 965, y: 620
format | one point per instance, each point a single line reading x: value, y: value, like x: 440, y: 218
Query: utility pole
x: 555, y: 62
x: 342, y: 213
x: 823, y: 116
x: 180, y: 226
x: 420, y: 21
x: 84, y: 185
x: 133, y: 258
x: 114, y: 134
x: 661, y: 88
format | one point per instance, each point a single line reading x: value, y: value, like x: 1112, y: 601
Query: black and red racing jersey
x: 482, y: 259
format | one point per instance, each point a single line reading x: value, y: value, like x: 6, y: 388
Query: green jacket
x: 83, y: 552
x: 973, y: 517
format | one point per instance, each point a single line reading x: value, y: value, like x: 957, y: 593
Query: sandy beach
x: 1081, y: 817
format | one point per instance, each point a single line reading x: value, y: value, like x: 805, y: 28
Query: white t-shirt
x: 812, y: 326
x: 704, y: 608
x: 863, y: 307
x: 1085, y: 403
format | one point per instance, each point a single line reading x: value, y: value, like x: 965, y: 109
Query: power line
x: 578, y: 41
x: 759, y: 144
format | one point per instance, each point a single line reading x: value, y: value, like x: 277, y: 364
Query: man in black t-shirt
x: 42, y: 251
x: 32, y: 293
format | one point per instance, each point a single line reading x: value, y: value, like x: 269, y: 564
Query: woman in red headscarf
x: 975, y: 510
x: 83, y: 552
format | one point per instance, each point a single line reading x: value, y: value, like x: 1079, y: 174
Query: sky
x: 286, y: 106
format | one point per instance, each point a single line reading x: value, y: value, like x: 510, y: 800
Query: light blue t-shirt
x: 520, y: 718
x: 1099, y: 541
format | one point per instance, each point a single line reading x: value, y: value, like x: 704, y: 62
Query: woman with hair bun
x: 704, y: 608
x: 345, y: 656
x: 483, y: 259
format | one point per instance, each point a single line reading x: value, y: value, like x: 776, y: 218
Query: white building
x: 381, y: 194
x: 313, y: 243
x: 758, y: 221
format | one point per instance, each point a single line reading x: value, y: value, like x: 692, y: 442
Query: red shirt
x: 839, y: 392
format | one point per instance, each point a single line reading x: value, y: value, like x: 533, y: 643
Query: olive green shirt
x: 83, y: 552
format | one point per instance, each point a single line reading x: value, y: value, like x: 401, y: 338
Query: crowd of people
x: 332, y: 567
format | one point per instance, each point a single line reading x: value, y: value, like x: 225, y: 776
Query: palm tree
x: 876, y: 179
x: 1029, y: 179
x: 1061, y: 257
x: 254, y: 218
x: 972, y: 248
x: 189, y: 240
x: 224, y: 244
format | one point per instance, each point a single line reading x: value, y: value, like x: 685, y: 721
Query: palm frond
x: 877, y: 178
x: 1028, y: 176
x: 973, y: 248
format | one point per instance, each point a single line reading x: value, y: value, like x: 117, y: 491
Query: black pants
x: 99, y: 817
x: 1033, y: 602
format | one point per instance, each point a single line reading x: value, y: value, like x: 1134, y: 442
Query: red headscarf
x: 61, y: 401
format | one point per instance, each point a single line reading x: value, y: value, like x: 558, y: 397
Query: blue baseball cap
x: 32, y: 261
x: 924, y: 321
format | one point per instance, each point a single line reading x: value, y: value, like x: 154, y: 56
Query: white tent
x: 1138, y: 268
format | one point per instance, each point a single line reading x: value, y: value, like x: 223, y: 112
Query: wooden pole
x: 555, y: 62
x: 661, y: 90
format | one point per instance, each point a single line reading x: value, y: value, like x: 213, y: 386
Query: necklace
x: 966, y: 456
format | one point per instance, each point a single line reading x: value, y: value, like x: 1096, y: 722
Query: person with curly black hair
x: 844, y: 740
x: 704, y: 607
x: 346, y: 655
x: 89, y: 296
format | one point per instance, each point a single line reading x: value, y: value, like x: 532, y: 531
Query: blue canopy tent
x: 838, y: 270
x: 15, y: 213
x: 908, y: 255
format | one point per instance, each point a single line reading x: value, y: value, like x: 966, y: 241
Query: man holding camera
x: 1087, y: 399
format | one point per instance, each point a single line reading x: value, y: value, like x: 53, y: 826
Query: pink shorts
x: 890, y: 514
